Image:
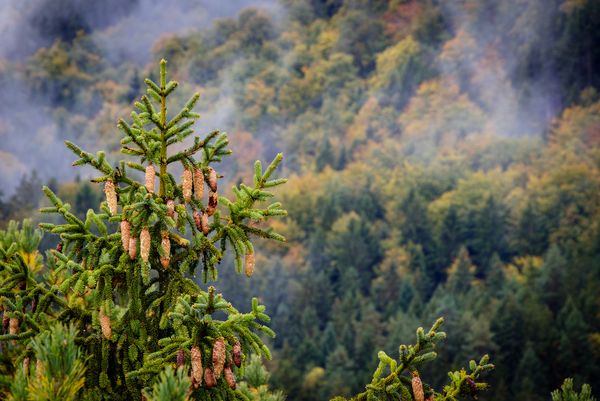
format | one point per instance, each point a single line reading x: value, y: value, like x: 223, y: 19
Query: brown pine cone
x: 417, y: 387
x: 209, y: 378
x: 218, y: 357
x: 145, y: 243
x: 204, y: 223
x: 213, y: 201
x: 111, y: 196
x: 165, y: 243
x: 186, y: 185
x: 26, y: 364
x: 196, y: 359
x: 198, y: 183
x: 105, y: 325
x: 150, y: 178
x: 13, y: 326
x: 125, y: 234
x: 237, y: 354
x: 197, y: 219
x: 249, y: 264
x: 229, y: 377
x: 132, y: 247
x: 212, y: 179
x: 171, y: 208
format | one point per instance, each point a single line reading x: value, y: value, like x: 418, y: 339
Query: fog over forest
x: 443, y: 160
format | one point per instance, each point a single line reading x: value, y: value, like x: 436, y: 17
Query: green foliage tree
x: 130, y: 293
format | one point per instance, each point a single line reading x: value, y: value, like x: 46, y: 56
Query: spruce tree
x: 123, y: 277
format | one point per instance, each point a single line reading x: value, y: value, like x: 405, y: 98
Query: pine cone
x: 150, y: 176
x: 204, y: 223
x: 125, y: 234
x: 180, y: 358
x: 198, y: 183
x: 197, y: 219
x: 186, y: 185
x: 196, y: 359
x: 59, y: 247
x: 132, y: 247
x: 26, y: 363
x: 145, y: 242
x: 209, y: 378
x: 417, y: 387
x: 13, y: 326
x: 105, y: 325
x: 229, y: 377
x: 213, y: 201
x: 249, y: 264
x: 111, y: 196
x: 171, y: 208
x: 431, y: 397
x: 212, y: 179
x: 237, y: 354
x: 165, y: 243
x: 218, y: 357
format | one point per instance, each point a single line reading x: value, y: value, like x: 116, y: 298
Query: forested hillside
x: 445, y: 161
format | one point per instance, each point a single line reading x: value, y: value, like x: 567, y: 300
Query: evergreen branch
x: 99, y: 163
x: 198, y: 144
x: 129, y: 132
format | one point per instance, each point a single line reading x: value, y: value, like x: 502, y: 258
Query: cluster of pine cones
x: 191, y: 183
x: 220, y: 366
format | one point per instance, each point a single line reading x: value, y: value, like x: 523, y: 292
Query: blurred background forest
x: 444, y: 160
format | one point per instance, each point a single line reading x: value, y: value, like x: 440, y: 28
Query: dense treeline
x: 445, y: 159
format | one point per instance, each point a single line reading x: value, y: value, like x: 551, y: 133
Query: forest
x: 443, y: 160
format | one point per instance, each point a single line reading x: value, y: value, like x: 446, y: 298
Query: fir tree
x: 130, y: 294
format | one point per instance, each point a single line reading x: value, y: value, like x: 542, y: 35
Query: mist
x: 123, y: 31
x: 484, y: 68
